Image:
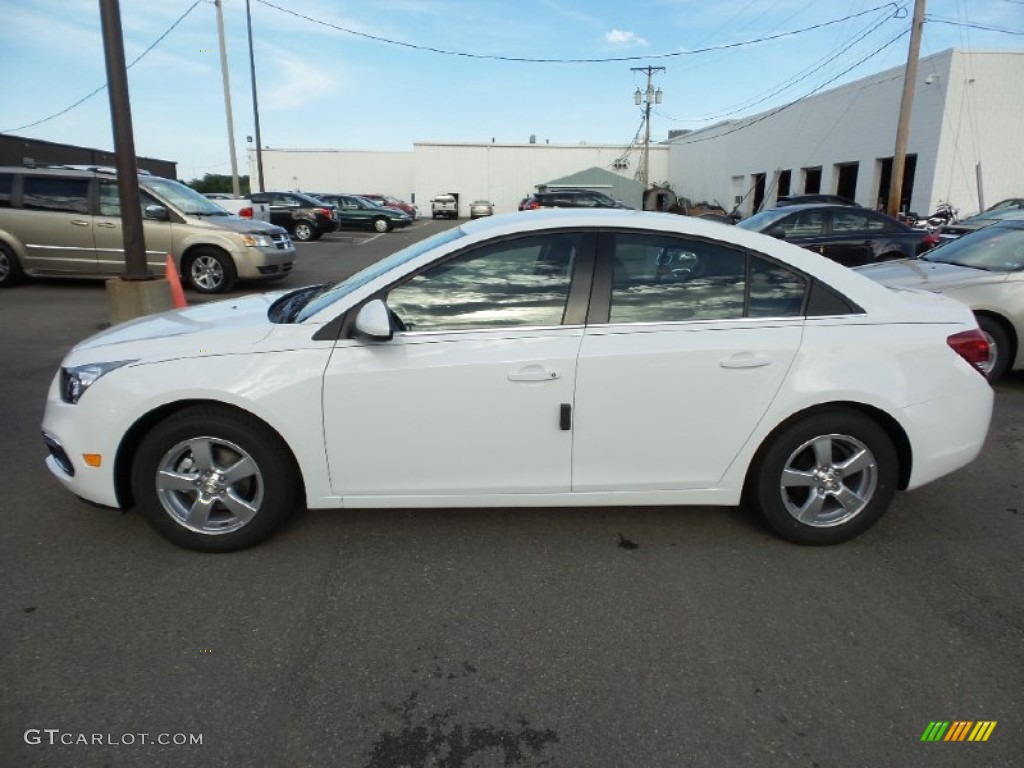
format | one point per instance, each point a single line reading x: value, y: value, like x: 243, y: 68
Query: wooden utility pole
x: 647, y: 97
x: 899, y: 157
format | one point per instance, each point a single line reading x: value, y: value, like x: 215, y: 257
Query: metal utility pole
x: 124, y: 143
x: 235, y: 188
x: 255, y: 105
x: 899, y: 156
x: 646, y: 98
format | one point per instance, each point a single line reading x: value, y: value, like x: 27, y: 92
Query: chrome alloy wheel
x: 206, y: 272
x: 5, y: 266
x: 209, y: 485
x: 828, y: 480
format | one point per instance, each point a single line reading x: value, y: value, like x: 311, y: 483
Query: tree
x: 218, y: 182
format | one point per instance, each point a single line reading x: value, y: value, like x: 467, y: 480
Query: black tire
x: 381, y: 225
x: 999, y: 348
x: 809, y: 488
x: 235, y: 513
x: 10, y: 269
x: 304, y: 231
x: 210, y: 270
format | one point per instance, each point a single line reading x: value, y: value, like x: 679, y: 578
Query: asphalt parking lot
x: 496, y: 637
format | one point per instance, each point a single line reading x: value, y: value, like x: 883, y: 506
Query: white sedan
x: 558, y: 358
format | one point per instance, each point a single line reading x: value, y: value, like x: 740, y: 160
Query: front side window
x: 663, y: 278
x: 50, y: 193
x: 110, y: 199
x: 520, y: 282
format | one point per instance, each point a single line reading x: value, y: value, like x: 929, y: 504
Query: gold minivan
x: 66, y: 222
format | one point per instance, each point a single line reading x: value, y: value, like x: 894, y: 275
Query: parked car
x: 303, y: 215
x: 480, y: 208
x: 241, y: 206
x: 785, y: 200
x: 850, y: 236
x: 1010, y: 202
x: 444, y: 206
x: 982, y: 220
x: 565, y: 358
x: 387, y: 201
x: 570, y: 198
x: 984, y: 270
x: 357, y: 212
x: 66, y: 222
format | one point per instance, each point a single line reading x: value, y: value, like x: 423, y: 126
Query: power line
x: 897, y: 13
x: 973, y: 25
x: 807, y: 95
x: 103, y: 87
x: 785, y: 85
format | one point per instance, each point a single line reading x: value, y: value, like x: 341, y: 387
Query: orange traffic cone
x: 177, y: 294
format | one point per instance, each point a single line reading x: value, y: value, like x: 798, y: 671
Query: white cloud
x: 621, y: 37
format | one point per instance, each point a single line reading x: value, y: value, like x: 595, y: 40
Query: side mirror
x: 157, y: 212
x: 373, y: 321
x: 777, y: 233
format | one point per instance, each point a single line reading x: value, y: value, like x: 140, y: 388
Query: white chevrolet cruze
x: 560, y: 358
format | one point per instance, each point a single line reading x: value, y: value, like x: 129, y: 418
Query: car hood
x: 238, y: 224
x: 212, y: 328
x: 920, y: 273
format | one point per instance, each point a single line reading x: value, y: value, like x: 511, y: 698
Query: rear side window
x: 662, y: 278
x: 6, y: 185
x: 51, y: 193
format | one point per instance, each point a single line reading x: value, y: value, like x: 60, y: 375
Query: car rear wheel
x: 380, y: 224
x: 214, y: 480
x: 826, y: 478
x: 210, y: 270
x: 998, y: 348
x: 303, y: 231
x: 10, y: 269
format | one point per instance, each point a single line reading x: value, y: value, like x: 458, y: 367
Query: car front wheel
x: 825, y: 478
x: 214, y: 480
x: 210, y: 271
x: 303, y: 231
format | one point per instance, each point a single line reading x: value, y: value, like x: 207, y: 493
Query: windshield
x: 185, y: 199
x: 372, y: 272
x: 995, y: 248
x: 759, y: 222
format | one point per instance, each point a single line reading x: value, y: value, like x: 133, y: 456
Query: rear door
x: 55, y: 223
x: 687, y: 346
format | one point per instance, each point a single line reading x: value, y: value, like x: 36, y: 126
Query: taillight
x: 531, y: 206
x: 325, y: 212
x: 972, y: 346
x: 931, y: 240
x: 245, y: 213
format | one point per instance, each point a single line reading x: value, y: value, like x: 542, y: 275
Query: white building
x: 965, y: 145
x: 501, y: 173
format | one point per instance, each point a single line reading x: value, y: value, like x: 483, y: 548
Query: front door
x: 158, y: 235
x: 470, y: 396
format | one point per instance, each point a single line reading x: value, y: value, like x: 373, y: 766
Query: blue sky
x: 321, y: 86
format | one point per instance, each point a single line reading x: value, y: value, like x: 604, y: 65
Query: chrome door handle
x: 745, y: 360
x: 79, y: 223
x: 106, y: 224
x: 534, y: 373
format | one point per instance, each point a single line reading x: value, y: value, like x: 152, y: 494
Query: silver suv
x: 66, y: 222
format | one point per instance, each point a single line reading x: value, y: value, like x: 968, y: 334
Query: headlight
x: 74, y: 381
x: 256, y: 241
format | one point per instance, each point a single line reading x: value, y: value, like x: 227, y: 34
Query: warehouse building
x: 964, y: 146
